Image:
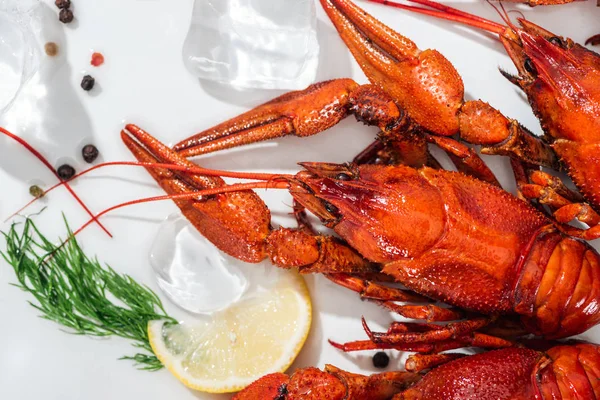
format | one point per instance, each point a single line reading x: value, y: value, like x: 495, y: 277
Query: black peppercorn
x: 87, y: 83
x: 89, y: 153
x: 36, y: 191
x: 381, y: 360
x: 65, y: 172
x: 65, y: 16
x: 63, y: 3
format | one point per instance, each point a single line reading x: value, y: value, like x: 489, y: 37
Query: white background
x: 144, y: 81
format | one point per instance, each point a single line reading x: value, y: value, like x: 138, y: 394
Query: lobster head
x: 561, y: 79
x: 385, y: 213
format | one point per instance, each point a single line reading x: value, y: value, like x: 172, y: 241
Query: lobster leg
x: 372, y: 291
x: 302, y: 220
x: 428, y: 312
x: 555, y: 184
x: 451, y: 331
x: 465, y: 159
x: 301, y: 113
x: 565, y: 204
x: 420, y: 362
x: 386, y: 296
x: 593, y: 41
x: 475, y: 340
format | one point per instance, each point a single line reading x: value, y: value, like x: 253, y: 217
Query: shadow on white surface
x: 48, y: 112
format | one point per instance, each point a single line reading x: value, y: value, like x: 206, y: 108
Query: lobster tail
x: 574, y: 370
x: 558, y: 294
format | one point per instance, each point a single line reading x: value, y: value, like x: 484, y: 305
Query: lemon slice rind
x: 259, y: 335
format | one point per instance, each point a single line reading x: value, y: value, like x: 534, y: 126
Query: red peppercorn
x: 97, y: 59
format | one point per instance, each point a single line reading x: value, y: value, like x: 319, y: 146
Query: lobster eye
x: 331, y: 208
x: 556, y: 41
x: 530, y: 66
x: 343, y: 177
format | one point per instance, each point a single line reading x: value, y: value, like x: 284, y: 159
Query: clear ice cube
x: 18, y: 48
x: 254, y: 43
x: 192, y: 272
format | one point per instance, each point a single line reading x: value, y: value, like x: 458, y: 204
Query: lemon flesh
x: 261, y: 334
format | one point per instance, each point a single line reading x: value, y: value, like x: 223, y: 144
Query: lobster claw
x: 237, y: 223
x: 424, y: 83
x: 331, y: 384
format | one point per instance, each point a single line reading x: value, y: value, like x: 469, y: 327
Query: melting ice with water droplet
x: 192, y: 272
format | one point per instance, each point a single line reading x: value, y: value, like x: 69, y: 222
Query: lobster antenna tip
x: 502, y: 13
x: 337, y: 345
x: 368, y: 330
x: 448, y: 13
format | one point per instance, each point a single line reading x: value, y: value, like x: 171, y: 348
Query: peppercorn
x: 97, y: 59
x: 381, y: 360
x: 36, y: 191
x: 65, y: 172
x: 51, y: 49
x: 87, y: 83
x: 65, y: 16
x: 89, y: 153
x: 63, y: 3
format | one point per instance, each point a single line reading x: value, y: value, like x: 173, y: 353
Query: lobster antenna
x: 455, y: 11
x: 189, y: 196
x: 503, y: 14
x: 172, y: 167
x: 519, y: 12
x: 46, y: 163
x: 448, y: 13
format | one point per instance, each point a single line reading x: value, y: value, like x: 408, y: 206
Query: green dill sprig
x: 75, y: 291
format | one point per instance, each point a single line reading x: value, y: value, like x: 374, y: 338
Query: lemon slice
x: 261, y: 334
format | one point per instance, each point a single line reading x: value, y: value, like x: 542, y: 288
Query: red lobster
x: 442, y: 234
x: 417, y: 97
x: 566, y: 372
x: 562, y: 82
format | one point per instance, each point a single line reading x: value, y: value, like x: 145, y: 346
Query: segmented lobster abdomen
x: 574, y: 373
x: 558, y: 292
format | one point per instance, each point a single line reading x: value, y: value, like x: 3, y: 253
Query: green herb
x: 78, y: 293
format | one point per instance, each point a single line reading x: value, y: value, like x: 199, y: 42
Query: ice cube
x: 254, y: 43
